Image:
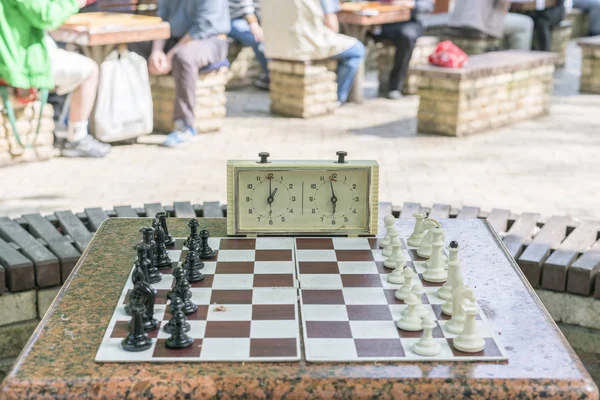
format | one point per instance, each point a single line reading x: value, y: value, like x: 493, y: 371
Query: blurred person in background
x: 544, y: 20
x: 592, y: 8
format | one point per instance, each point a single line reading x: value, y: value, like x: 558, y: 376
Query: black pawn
x: 178, y: 274
x: 162, y: 219
x: 205, y: 252
x: 191, y: 265
x: 176, y: 305
x: 193, y: 241
x: 137, y: 339
x: 161, y: 254
x: 184, y: 292
x: 154, y: 275
x: 178, y: 339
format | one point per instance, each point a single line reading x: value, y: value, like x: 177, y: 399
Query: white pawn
x: 457, y: 322
x: 427, y: 346
x: 387, y: 250
x: 445, y: 292
x: 397, y: 275
x: 418, y: 290
x: 389, y: 221
x: 469, y: 339
x: 419, y: 232
x: 396, y: 246
x: 410, y: 321
x: 404, y: 291
x: 425, y: 249
x: 435, y: 271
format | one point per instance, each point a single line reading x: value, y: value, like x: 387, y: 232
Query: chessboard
x: 281, y: 299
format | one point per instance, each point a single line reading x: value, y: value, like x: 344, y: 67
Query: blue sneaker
x: 180, y: 135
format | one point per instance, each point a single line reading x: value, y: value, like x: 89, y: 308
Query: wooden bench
x: 145, y: 7
x: 210, y: 100
x: 590, y: 69
x: 33, y: 147
x: 303, y: 89
x: 385, y: 61
x: 494, y: 89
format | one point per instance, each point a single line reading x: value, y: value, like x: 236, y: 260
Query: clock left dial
x: 268, y: 200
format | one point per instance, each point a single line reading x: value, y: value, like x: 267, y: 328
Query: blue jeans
x: 348, y: 63
x: 240, y: 31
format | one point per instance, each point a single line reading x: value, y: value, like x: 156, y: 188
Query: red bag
x: 448, y: 55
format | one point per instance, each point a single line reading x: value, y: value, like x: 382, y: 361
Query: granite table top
x: 58, y: 361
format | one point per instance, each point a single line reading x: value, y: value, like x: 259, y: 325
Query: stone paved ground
x: 550, y: 165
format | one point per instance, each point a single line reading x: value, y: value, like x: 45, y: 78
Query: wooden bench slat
x: 183, y: 209
x: 584, y: 273
x: 212, y: 209
x: 46, y: 265
x: 519, y: 232
x: 408, y: 209
x: 468, y: 213
x: 549, y: 238
x: 67, y: 255
x: 19, y: 270
x: 95, y: 216
x: 440, y: 211
x: 126, y: 212
x: 152, y: 209
x: 498, y: 218
x: 75, y: 228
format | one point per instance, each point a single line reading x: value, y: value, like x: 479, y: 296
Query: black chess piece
x: 183, y: 290
x: 193, y: 241
x: 179, y: 339
x: 205, y: 252
x: 154, y: 275
x: 161, y: 254
x: 193, y: 273
x: 176, y: 305
x: 137, y: 339
x: 178, y: 273
x: 140, y: 271
x: 142, y: 294
x: 162, y: 219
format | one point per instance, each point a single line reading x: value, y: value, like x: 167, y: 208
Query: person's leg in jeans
x: 240, y: 31
x: 541, y: 28
x: 348, y: 63
x: 518, y: 31
x: 592, y: 8
x: 404, y: 35
x: 187, y: 61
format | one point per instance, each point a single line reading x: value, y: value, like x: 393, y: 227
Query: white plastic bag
x: 124, y: 103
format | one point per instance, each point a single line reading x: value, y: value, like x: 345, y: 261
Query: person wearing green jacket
x: 29, y: 58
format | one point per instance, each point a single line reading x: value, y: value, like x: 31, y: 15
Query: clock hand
x: 333, y: 198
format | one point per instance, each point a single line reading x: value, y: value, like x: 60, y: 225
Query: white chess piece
x: 410, y: 321
x: 419, y: 232
x: 389, y: 221
x: 394, y: 238
x: 457, y: 323
x: 405, y: 290
x: 457, y: 283
x: 418, y: 290
x: 396, y: 246
x: 427, y: 346
x: 397, y: 275
x: 425, y: 249
x: 469, y: 340
x: 445, y: 292
x: 436, y: 272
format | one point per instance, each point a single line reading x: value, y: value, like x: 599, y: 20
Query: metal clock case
x: 302, y: 197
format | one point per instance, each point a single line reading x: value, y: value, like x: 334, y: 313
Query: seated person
x: 246, y: 29
x: 492, y: 18
x: 544, y: 20
x: 29, y: 58
x: 305, y: 30
x: 199, y: 31
x: 404, y: 35
x: 592, y: 8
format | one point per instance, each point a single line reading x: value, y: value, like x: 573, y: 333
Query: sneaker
x: 262, y: 82
x: 87, y: 147
x: 394, y: 95
x: 180, y: 135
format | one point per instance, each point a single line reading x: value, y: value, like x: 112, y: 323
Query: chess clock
x: 302, y: 197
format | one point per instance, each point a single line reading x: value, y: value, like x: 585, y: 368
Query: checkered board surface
x: 255, y: 282
x: 348, y: 309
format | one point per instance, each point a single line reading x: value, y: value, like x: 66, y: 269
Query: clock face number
x: 310, y: 200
